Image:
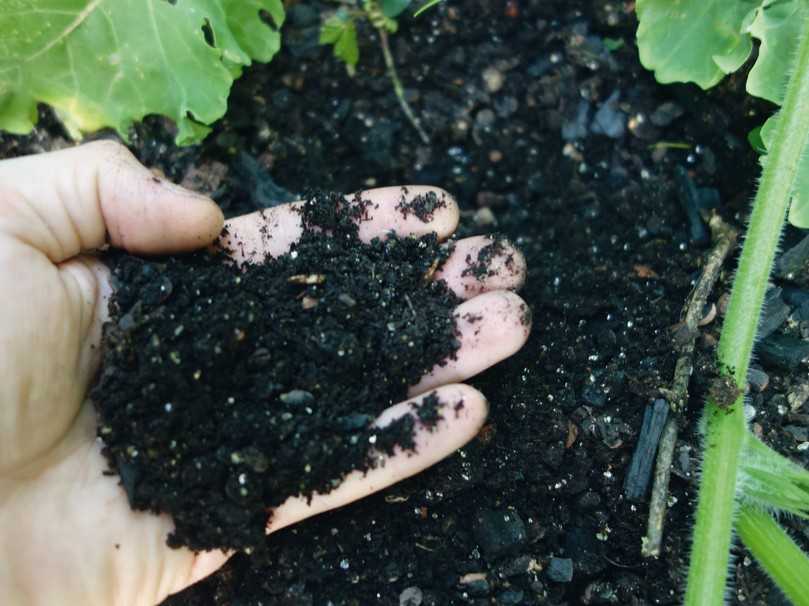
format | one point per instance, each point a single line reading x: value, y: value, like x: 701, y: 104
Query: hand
x: 67, y: 533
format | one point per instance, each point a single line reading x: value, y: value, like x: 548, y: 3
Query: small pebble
x: 485, y: 117
x: 411, y: 596
x: 494, y: 79
x: 297, y: 397
x: 484, y: 217
x: 758, y: 379
x: 560, y: 570
x: 475, y: 584
x: 666, y: 113
x: 609, y: 120
x: 511, y: 597
x: 499, y: 532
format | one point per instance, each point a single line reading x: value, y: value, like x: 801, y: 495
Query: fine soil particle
x: 227, y: 389
x: 422, y: 205
x: 481, y: 266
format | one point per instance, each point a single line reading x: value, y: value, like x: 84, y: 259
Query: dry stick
x: 724, y: 237
x: 397, y: 86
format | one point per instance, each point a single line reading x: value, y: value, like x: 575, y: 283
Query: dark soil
x: 533, y: 511
x: 224, y: 390
x: 423, y: 205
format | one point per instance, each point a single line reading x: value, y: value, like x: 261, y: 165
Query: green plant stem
x: 777, y: 553
x: 397, y: 86
x: 725, y: 426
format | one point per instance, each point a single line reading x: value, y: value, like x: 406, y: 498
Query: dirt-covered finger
x: 491, y: 327
x: 439, y: 431
x: 481, y: 264
x: 262, y: 234
x: 406, y: 211
x: 414, y: 210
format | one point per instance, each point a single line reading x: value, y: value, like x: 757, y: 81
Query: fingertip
x: 203, y: 223
x: 456, y: 401
x: 462, y: 411
x: 480, y: 264
x: 467, y: 407
x: 412, y: 210
x: 491, y: 327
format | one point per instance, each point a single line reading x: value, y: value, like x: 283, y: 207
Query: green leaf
x: 341, y: 31
x: 696, y: 41
x: 394, y: 8
x: 755, y: 140
x: 109, y: 63
x: 777, y: 24
x: 346, y: 47
x: 799, y: 207
x: 772, y: 481
x: 613, y: 44
x: 777, y: 552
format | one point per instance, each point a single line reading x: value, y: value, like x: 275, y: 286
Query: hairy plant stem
x: 777, y: 553
x: 725, y: 426
x: 397, y: 85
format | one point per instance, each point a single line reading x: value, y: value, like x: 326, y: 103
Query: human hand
x: 67, y: 533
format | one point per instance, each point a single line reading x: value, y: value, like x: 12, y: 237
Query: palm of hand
x: 67, y: 530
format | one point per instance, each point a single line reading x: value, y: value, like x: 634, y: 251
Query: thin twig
x: 650, y: 544
x: 397, y: 86
x: 724, y: 237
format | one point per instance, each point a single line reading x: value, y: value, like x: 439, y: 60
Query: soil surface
x: 546, y: 128
x: 226, y: 389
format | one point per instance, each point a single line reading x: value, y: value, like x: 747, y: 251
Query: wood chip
x: 431, y: 271
x: 644, y: 271
x: 309, y: 302
x: 572, y: 434
x: 307, y: 279
x: 472, y: 577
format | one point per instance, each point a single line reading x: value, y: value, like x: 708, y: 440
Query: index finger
x: 406, y: 211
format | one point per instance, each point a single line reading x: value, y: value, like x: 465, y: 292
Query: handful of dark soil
x: 225, y: 389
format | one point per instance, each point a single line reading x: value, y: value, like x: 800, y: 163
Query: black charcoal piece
x: 689, y: 197
x: 783, y: 351
x: 640, y: 469
x: 774, y: 314
x: 793, y: 264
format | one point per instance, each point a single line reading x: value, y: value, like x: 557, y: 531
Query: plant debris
x: 222, y: 394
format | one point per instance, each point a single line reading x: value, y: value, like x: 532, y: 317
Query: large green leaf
x: 109, y: 63
x: 693, y: 40
x: 799, y: 208
x: 777, y: 24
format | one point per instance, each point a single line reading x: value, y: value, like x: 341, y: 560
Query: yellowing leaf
x: 108, y: 63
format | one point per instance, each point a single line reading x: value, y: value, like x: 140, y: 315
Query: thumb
x: 78, y: 199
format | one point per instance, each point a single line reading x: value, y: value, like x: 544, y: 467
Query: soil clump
x: 225, y: 389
